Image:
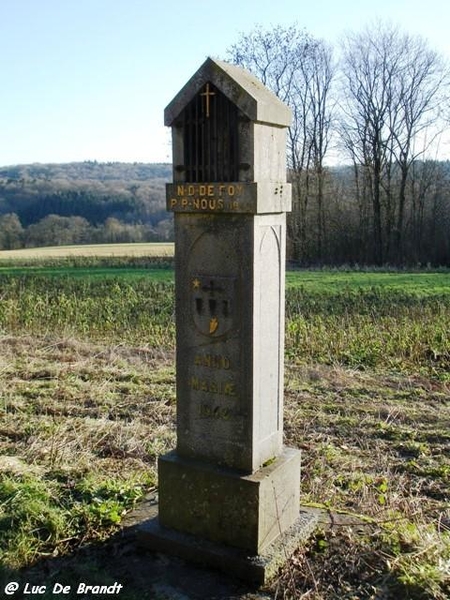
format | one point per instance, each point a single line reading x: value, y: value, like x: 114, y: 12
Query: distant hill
x: 130, y: 195
x: 89, y: 170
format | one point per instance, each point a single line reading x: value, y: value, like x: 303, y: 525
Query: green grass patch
x: 87, y: 404
x: 157, y: 274
x: 81, y: 428
x: 89, y: 307
x: 72, y: 264
x: 56, y: 512
x: 403, y: 283
x: 361, y: 327
x: 82, y: 425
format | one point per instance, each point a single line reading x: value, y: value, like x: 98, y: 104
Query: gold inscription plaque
x: 215, y: 197
x: 219, y: 190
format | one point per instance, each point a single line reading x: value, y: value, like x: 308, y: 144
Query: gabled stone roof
x: 256, y: 101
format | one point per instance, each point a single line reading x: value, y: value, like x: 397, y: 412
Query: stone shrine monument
x: 229, y: 493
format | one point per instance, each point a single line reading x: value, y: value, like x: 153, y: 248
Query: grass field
x: 399, y: 282
x: 87, y: 403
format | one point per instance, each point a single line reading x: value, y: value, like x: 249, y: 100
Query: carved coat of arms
x: 213, y: 304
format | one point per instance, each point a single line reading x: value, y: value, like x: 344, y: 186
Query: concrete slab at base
x: 258, y: 569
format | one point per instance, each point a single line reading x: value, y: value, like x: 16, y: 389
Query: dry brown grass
x: 96, y: 250
x: 63, y: 400
x: 377, y: 461
x: 376, y: 455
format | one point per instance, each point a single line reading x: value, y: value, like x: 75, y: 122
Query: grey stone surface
x: 261, y: 130
x: 254, y: 568
x: 230, y: 197
x: 221, y: 505
x: 230, y: 327
x: 230, y: 492
x: 256, y: 101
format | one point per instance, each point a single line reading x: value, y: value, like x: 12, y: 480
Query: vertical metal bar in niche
x: 218, y: 138
x: 227, y: 138
x: 207, y: 146
x: 232, y: 130
x: 197, y: 138
x: 191, y: 142
x: 223, y: 135
x: 187, y: 142
x: 202, y: 142
x: 235, y: 144
x: 214, y: 137
x: 208, y: 142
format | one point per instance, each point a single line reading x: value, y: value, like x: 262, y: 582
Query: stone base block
x: 256, y: 569
x: 225, y: 507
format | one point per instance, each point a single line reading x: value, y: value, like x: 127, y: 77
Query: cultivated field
x: 97, y: 250
x: 87, y: 389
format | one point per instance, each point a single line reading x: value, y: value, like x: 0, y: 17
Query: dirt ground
x: 147, y: 575
x: 144, y: 575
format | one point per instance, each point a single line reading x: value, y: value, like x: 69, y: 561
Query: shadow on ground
x: 143, y: 575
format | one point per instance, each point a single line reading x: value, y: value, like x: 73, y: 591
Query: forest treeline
x: 365, y: 156
x: 88, y: 203
x: 83, y: 203
x: 378, y: 102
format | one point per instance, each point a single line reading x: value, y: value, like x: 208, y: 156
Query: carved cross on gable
x: 208, y: 95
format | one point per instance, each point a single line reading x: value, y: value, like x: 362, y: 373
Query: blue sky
x: 89, y: 79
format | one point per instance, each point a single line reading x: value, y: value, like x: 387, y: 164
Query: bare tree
x: 421, y: 91
x: 368, y: 71
x: 317, y: 74
x: 299, y: 69
x: 393, y: 86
